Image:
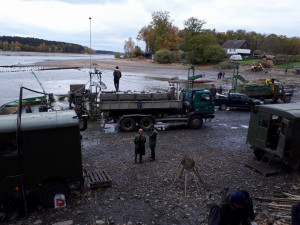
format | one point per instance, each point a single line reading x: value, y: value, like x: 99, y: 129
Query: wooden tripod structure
x: 186, y: 165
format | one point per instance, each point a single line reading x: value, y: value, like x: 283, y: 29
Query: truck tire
x: 146, y: 123
x: 83, y: 123
x: 287, y: 99
x: 195, y: 122
x: 258, y: 153
x: 127, y: 124
x: 223, y: 107
x: 49, y: 190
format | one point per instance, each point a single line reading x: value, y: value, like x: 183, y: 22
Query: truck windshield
x: 205, y: 98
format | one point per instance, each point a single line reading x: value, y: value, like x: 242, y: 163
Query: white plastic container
x: 59, y: 201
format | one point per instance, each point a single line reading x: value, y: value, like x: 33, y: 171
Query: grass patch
x: 287, y: 66
x: 248, y: 62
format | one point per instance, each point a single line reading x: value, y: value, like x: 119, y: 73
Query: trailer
x: 269, y: 89
x: 131, y: 110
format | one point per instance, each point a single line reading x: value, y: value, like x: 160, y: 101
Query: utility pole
x: 90, y: 18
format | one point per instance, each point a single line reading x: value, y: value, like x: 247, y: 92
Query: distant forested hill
x: 9, y: 43
x: 104, y: 52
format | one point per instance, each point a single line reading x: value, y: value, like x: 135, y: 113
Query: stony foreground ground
x: 144, y: 194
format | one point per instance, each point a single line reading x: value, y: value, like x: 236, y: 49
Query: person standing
x: 213, y: 91
x: 117, y: 76
x: 296, y: 214
x: 223, y: 75
x: 152, y: 134
x: 139, y: 142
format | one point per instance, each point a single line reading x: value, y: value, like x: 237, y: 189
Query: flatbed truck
x: 131, y: 110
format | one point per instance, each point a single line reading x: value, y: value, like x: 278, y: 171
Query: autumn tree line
x: 196, y: 45
x: 8, y: 43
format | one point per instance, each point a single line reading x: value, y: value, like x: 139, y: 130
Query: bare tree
x: 129, y: 47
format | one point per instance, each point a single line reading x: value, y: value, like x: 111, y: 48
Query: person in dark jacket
x: 213, y: 91
x: 152, y: 134
x: 236, y: 209
x: 296, y: 214
x: 139, y: 142
x: 117, y: 76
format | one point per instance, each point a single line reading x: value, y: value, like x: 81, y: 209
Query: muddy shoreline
x: 143, y: 193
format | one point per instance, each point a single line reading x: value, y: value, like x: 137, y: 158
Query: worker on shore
x: 139, y: 142
x: 117, y: 76
x: 152, y: 134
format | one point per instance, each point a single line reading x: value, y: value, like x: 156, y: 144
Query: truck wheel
x: 294, y: 164
x: 287, y: 99
x: 49, y: 190
x: 258, y: 153
x: 83, y: 123
x: 127, y: 124
x: 223, y: 107
x: 196, y: 122
x: 146, y: 123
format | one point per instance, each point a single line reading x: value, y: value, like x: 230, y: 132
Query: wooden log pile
x: 277, y: 209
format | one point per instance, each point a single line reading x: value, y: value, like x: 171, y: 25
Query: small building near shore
x: 233, y: 47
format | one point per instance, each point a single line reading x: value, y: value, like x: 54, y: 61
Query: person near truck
x: 296, y: 214
x: 152, y: 134
x: 236, y: 209
x: 213, y: 91
x: 117, y: 76
x: 139, y: 142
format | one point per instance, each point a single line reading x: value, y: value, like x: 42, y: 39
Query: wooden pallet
x: 98, y: 179
x: 261, y: 167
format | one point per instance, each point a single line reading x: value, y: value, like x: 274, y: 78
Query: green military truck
x: 275, y: 129
x: 269, y: 89
x: 47, y: 157
x: 133, y: 110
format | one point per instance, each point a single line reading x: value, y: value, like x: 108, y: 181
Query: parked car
x: 236, y: 57
x: 236, y: 100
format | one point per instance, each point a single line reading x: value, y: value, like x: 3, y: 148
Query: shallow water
x: 58, y: 81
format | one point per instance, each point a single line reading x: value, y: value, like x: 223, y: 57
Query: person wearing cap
x: 117, y: 76
x: 152, y: 134
x: 236, y: 209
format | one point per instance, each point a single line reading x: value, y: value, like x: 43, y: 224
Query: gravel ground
x: 144, y: 194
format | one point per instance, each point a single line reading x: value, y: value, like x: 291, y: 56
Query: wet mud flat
x: 143, y: 193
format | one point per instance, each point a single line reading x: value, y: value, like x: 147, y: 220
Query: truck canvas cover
x: 289, y: 110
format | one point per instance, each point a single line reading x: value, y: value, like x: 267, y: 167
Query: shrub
x: 117, y: 55
x: 176, y: 56
x: 213, y: 54
x: 164, y: 56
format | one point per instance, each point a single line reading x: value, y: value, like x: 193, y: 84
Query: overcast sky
x: 114, y: 21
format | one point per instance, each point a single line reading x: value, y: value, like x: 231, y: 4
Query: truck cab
x: 275, y: 129
x: 199, y: 101
x: 45, y: 157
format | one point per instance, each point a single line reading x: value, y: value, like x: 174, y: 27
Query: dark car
x: 235, y: 100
